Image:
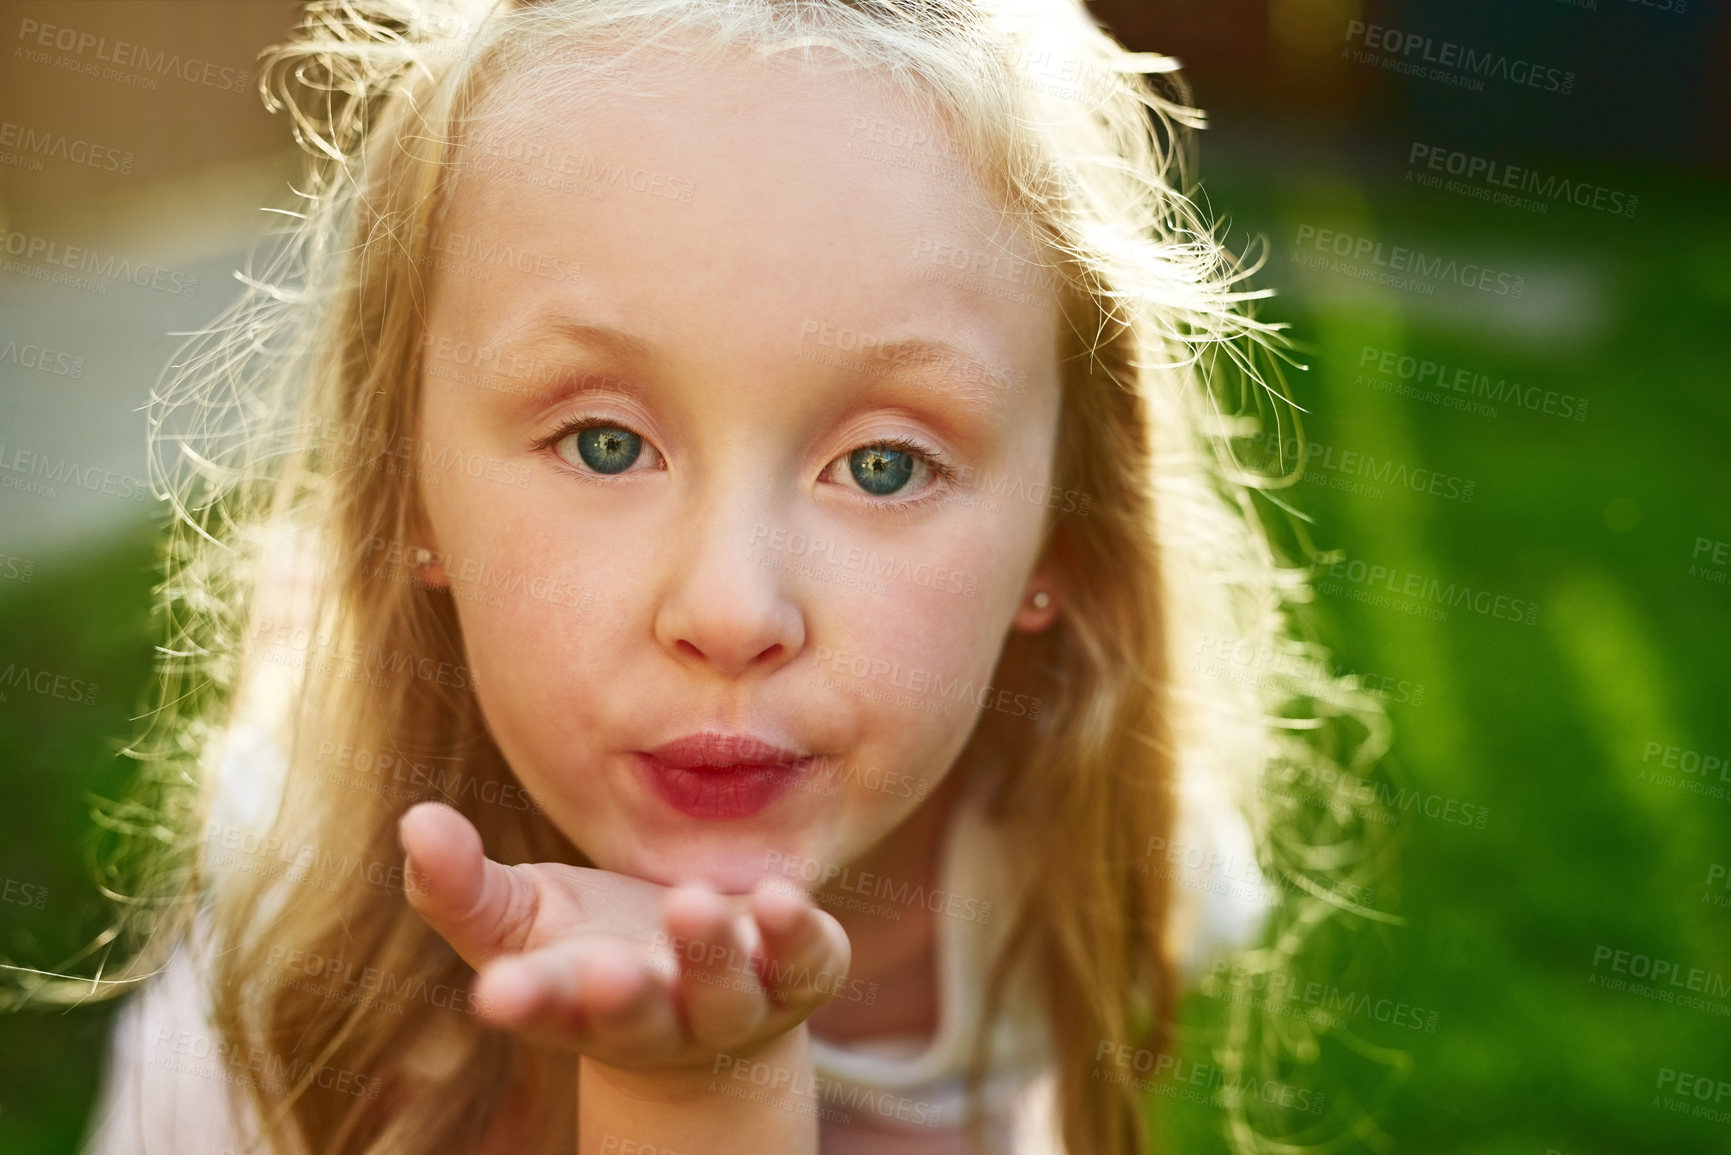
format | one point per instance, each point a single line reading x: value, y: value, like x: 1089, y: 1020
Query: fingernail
x: 412, y: 879
x: 749, y: 934
x: 782, y: 910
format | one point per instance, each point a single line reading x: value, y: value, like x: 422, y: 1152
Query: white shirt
x: 904, y: 1083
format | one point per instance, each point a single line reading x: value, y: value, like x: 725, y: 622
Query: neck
x: 897, y: 954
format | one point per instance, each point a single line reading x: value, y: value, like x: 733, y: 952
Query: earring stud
x: 419, y: 556
x: 1042, y: 599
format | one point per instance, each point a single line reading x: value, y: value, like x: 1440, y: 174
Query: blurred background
x: 1501, y: 234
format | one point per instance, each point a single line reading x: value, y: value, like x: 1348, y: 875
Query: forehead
x: 733, y: 194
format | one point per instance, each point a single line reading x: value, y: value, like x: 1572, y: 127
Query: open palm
x: 627, y: 972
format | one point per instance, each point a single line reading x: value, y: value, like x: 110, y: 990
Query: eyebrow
x: 973, y: 380
x: 977, y: 383
x: 604, y: 337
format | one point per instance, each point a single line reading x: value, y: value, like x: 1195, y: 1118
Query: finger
x: 481, y: 908
x: 531, y: 991
x: 806, y: 953
x: 631, y: 1007
x: 598, y: 993
x: 715, y: 945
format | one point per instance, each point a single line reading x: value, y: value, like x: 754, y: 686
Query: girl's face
x: 742, y: 405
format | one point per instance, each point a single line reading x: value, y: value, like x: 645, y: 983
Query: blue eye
x: 881, y: 469
x: 607, y: 448
x: 893, y: 466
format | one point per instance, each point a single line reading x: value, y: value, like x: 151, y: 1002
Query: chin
x: 731, y: 869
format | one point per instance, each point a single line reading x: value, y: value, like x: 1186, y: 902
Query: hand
x: 629, y: 973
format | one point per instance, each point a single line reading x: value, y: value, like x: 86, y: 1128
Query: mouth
x: 721, y: 776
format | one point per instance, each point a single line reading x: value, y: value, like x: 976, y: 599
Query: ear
x: 1038, y: 608
x: 422, y: 556
x: 432, y: 574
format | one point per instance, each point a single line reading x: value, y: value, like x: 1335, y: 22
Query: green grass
x: 1545, y: 725
x: 90, y: 623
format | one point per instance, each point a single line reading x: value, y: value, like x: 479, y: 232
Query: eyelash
x: 944, y: 472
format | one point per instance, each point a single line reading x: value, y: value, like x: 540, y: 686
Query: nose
x: 723, y: 609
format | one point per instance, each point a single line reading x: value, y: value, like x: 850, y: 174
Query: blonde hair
x: 1166, y: 366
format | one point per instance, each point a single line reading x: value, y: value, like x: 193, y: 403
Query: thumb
x: 481, y: 908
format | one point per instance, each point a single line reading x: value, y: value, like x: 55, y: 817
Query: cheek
x: 916, y: 654
x: 939, y: 630
x: 537, y: 615
x: 910, y: 665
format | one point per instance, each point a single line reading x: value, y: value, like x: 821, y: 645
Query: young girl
x: 688, y: 618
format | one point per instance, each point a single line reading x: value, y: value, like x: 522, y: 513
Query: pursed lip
x: 712, y: 750
x: 721, y: 776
